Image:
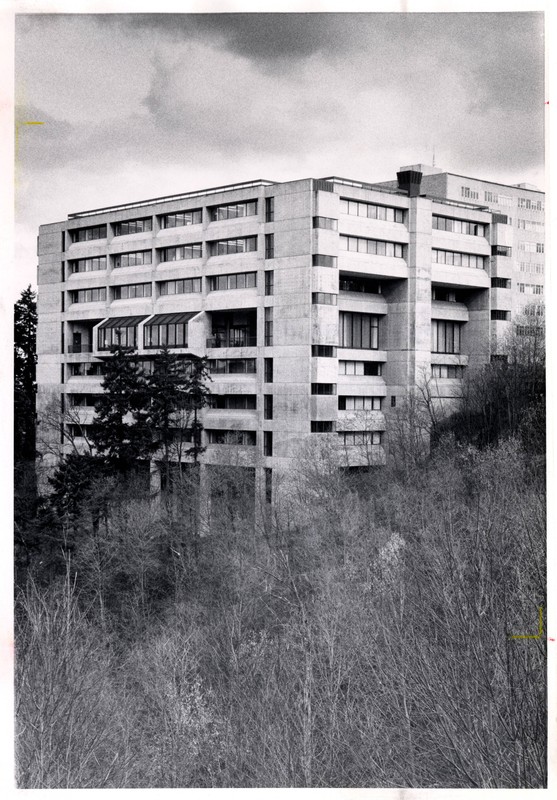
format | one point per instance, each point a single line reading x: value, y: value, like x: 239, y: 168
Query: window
x: 133, y: 226
x: 269, y: 282
x: 269, y: 245
x: 458, y: 226
x: 359, y: 403
x: 131, y: 291
x: 324, y: 299
x: 171, y: 334
x: 530, y: 288
x: 468, y: 194
x: 366, y: 285
x: 231, y: 366
x: 444, y: 295
x: 233, y: 210
x: 498, y: 199
x: 530, y: 225
x: 322, y: 426
x: 319, y: 260
x: 181, y: 218
x: 393, y: 401
x: 236, y: 280
x: 360, y: 331
x: 499, y: 250
x: 124, y: 335
x: 446, y: 371
x: 526, y: 202
x: 83, y: 400
x: 75, y: 431
x: 457, y: 259
x: 373, y: 247
x: 88, y: 295
x: 269, y: 209
x: 371, y: 211
x: 268, y: 406
x: 85, y: 369
x: 268, y: 485
x: 328, y: 223
x: 534, y: 311
x: 323, y: 351
x: 359, y: 438
x: 182, y: 253
x: 268, y: 326
x: 445, y: 336
x: 268, y: 362
x: 87, y: 264
x: 500, y: 315
x: 323, y: 388
x: 267, y: 443
x: 233, y: 402
x: 137, y: 259
x: 500, y: 283
x: 219, y: 436
x: 227, y: 247
x: 531, y: 247
x: 374, y: 368
x: 62, y: 301
x: 88, y: 234
x: 532, y: 266
x: 185, y: 286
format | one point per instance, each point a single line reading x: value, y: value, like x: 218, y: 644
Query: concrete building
x: 319, y: 303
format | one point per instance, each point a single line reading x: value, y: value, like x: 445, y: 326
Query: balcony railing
x: 232, y: 341
x: 80, y: 348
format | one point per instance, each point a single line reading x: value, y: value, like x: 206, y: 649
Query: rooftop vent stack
x: 409, y: 181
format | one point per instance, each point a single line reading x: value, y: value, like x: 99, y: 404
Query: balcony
x: 238, y: 339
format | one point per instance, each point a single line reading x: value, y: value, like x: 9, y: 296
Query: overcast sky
x: 139, y: 106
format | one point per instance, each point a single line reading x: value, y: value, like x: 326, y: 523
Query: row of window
x: 373, y: 247
x: 371, y: 210
x: 176, y: 219
x: 360, y: 331
x: 458, y: 259
x: 532, y: 266
x: 459, y: 226
x: 530, y: 288
x: 239, y: 280
x: 530, y: 225
x: 534, y: 205
x: 531, y: 247
x: 246, y: 244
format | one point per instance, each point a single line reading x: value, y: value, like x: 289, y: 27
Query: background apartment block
x: 319, y: 303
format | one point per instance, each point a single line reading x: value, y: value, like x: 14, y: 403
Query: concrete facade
x: 356, y: 293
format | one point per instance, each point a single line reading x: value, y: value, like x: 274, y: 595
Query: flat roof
x: 155, y: 200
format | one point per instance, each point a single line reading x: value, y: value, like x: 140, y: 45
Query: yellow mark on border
x: 31, y: 123
x: 529, y: 635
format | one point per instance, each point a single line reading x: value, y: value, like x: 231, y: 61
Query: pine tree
x: 121, y: 432
x: 167, y: 388
x: 197, y: 398
x: 25, y: 362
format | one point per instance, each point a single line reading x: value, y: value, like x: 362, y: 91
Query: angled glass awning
x: 122, y: 322
x: 166, y: 319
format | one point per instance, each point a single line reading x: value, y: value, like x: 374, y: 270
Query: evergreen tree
x: 121, y: 432
x: 25, y: 363
x: 168, y: 413
x: 197, y: 398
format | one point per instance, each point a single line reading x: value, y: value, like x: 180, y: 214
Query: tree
x: 121, y: 432
x: 197, y: 398
x: 176, y: 391
x: 25, y: 365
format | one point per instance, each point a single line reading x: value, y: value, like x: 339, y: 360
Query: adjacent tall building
x: 319, y: 303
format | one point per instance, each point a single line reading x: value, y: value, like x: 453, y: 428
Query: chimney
x: 409, y: 181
